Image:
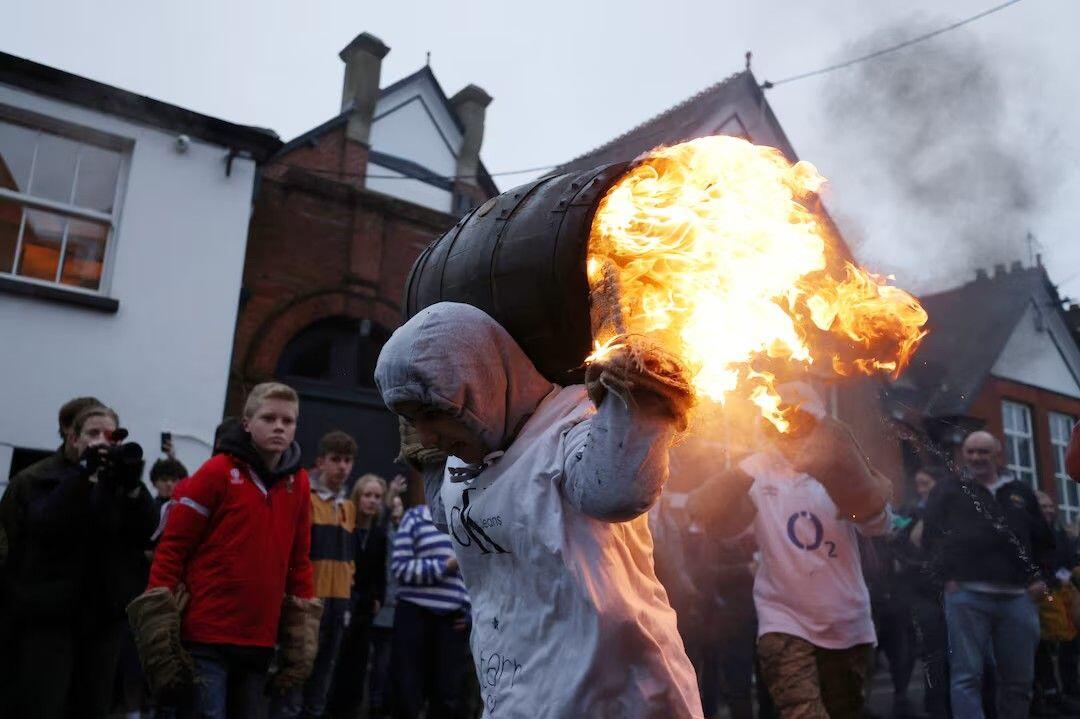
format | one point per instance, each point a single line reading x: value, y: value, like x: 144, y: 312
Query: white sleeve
x: 878, y: 525
x: 616, y: 462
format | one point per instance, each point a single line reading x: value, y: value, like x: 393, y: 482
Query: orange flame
x: 718, y: 258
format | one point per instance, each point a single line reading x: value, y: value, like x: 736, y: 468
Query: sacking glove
x: 298, y: 641
x: 155, y: 621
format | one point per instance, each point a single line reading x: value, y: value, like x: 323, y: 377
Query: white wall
x: 410, y: 134
x: 1031, y: 356
x: 162, y: 360
x: 422, y: 193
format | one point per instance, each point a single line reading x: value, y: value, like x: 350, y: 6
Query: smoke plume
x: 941, y: 155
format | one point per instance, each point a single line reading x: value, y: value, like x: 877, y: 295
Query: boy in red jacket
x: 235, y: 551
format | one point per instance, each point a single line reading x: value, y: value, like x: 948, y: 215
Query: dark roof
x: 968, y: 329
x: 483, y: 177
x: 67, y: 87
x: 680, y: 123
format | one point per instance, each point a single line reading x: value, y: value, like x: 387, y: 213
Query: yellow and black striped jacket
x: 333, y: 544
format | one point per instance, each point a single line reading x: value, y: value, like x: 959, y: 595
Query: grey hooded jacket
x: 551, y: 536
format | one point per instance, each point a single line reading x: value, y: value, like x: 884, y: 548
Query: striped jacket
x: 419, y: 564
x: 333, y: 544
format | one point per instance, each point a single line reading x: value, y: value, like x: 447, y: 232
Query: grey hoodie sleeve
x: 617, y: 461
x: 433, y: 479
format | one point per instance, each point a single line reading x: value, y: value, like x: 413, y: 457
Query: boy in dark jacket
x: 77, y: 532
x: 987, y: 537
x: 237, y: 538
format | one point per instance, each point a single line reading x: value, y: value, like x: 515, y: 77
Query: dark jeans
x: 380, y: 668
x: 999, y: 627
x: 1067, y: 665
x: 65, y: 671
x: 230, y: 683
x: 896, y: 642
x: 931, y: 639
x: 427, y: 657
x: 310, y: 700
x: 735, y: 649
x: 350, y: 671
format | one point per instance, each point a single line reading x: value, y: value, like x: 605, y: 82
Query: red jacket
x: 239, y: 548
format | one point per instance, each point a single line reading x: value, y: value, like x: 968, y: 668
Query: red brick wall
x: 987, y: 407
x: 321, y: 246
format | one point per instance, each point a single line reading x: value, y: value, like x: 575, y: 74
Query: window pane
x: 10, y: 219
x: 84, y: 254
x: 16, y: 156
x: 1009, y: 416
x: 54, y: 168
x: 96, y: 184
x: 42, y: 236
x: 1023, y: 450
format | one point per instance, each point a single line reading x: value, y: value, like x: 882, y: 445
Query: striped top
x: 333, y: 545
x: 419, y: 564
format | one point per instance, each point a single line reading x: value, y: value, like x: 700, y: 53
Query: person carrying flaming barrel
x: 806, y: 498
x: 545, y: 495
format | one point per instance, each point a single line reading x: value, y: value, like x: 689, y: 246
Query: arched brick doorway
x: 331, y: 363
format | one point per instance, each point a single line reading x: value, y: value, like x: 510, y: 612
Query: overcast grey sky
x: 569, y: 75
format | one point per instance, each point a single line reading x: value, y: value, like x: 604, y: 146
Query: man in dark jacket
x: 77, y: 533
x: 987, y: 536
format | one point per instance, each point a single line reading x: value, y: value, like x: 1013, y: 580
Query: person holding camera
x: 78, y: 522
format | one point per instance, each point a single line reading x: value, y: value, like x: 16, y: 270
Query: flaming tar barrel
x: 520, y: 257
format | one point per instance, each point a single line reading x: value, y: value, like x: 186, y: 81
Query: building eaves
x: 313, y: 134
x: 40, y: 79
x: 673, y: 118
x: 483, y: 177
x: 969, y: 327
x: 426, y: 73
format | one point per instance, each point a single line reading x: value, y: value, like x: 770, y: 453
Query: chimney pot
x: 999, y: 270
x: 980, y: 274
x: 363, y: 67
x: 470, y: 103
x: 1016, y: 266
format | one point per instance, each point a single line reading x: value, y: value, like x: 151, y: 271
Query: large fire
x: 716, y: 255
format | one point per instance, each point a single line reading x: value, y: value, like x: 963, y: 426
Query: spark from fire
x: 717, y: 256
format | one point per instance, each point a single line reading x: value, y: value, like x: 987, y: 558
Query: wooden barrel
x: 520, y: 257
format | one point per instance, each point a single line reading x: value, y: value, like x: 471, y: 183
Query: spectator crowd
x: 255, y: 587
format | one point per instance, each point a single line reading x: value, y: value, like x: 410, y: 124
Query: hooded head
x: 455, y: 361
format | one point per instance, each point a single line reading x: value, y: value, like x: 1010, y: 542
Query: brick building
x: 341, y: 213
x: 1002, y: 355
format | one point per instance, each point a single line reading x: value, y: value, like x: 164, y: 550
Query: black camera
x: 119, y: 463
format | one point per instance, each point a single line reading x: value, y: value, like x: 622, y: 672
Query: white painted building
x: 123, y: 223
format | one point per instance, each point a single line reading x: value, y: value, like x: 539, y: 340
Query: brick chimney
x: 999, y: 270
x: 1072, y: 318
x: 470, y: 104
x: 1016, y: 266
x: 980, y: 274
x: 363, y: 65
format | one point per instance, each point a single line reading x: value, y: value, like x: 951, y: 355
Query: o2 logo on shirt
x: 815, y: 530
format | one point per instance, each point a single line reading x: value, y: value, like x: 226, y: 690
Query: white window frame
x: 84, y: 135
x: 1013, y: 437
x: 1061, y: 427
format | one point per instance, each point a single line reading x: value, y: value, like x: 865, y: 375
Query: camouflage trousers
x: 808, y: 682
